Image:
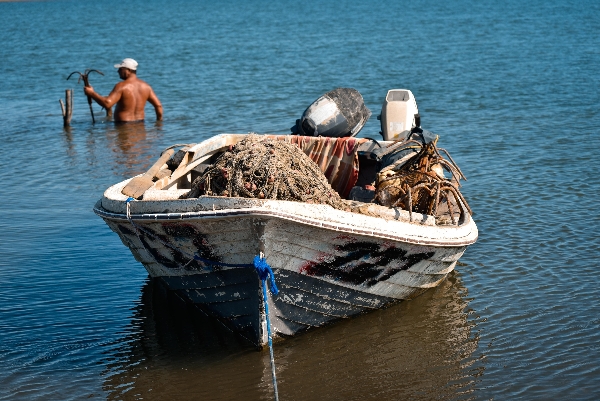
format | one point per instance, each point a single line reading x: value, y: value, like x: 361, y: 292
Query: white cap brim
x: 128, y: 63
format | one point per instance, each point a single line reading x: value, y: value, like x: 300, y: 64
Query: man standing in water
x: 130, y: 95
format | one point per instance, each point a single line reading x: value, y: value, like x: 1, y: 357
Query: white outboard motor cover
x: 398, y: 114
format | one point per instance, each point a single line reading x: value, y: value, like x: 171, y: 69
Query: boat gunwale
x: 220, y: 214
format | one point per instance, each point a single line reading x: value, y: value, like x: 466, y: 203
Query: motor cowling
x: 338, y: 113
x: 399, y: 114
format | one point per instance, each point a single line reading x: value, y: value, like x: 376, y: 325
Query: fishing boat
x: 270, y: 268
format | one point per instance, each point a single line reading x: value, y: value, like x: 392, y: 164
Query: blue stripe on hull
x: 233, y: 298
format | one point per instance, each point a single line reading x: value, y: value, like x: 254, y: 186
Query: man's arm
x: 153, y: 99
x: 106, y: 102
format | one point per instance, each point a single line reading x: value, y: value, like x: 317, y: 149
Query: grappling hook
x: 86, y: 82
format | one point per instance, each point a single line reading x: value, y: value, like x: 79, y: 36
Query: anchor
x: 86, y: 82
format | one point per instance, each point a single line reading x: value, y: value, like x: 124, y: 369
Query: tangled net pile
x: 417, y: 183
x: 266, y: 169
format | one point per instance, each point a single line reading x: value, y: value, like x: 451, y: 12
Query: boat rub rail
x: 468, y: 237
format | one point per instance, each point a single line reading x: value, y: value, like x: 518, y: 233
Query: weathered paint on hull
x: 231, y: 297
x: 323, y: 275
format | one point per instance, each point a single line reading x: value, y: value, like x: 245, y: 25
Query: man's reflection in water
x: 133, y: 146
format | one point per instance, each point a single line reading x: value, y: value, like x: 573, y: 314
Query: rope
x: 263, y: 270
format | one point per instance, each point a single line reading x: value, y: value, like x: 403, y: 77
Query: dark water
x: 512, y: 88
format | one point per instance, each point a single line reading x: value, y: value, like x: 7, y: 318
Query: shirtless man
x: 130, y: 95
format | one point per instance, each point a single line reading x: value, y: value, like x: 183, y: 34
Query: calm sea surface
x: 512, y: 88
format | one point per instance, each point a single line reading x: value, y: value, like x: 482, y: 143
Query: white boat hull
x: 328, y: 264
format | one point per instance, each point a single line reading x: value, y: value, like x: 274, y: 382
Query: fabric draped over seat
x: 336, y: 157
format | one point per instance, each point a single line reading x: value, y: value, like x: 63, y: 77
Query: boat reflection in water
x: 422, y: 349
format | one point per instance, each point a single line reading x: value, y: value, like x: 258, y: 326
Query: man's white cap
x: 128, y: 63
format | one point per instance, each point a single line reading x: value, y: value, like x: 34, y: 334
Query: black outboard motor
x: 338, y: 113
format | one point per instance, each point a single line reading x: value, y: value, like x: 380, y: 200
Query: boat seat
x: 336, y: 157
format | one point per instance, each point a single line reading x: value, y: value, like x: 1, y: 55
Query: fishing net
x: 266, y: 168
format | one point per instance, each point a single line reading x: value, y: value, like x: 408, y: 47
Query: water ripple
x: 512, y: 89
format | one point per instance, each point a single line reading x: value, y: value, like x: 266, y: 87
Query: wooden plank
x: 329, y: 290
x: 138, y: 185
x: 301, y: 315
x: 235, y: 292
x: 184, y: 168
x: 317, y: 303
x: 283, y: 326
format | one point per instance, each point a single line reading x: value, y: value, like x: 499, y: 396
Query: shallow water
x: 512, y: 90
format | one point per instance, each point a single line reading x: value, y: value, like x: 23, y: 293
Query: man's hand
x: 88, y: 90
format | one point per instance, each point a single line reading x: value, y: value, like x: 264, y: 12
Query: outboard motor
x: 338, y: 113
x: 399, y: 114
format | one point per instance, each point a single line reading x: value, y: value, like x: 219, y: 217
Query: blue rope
x: 264, y: 271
